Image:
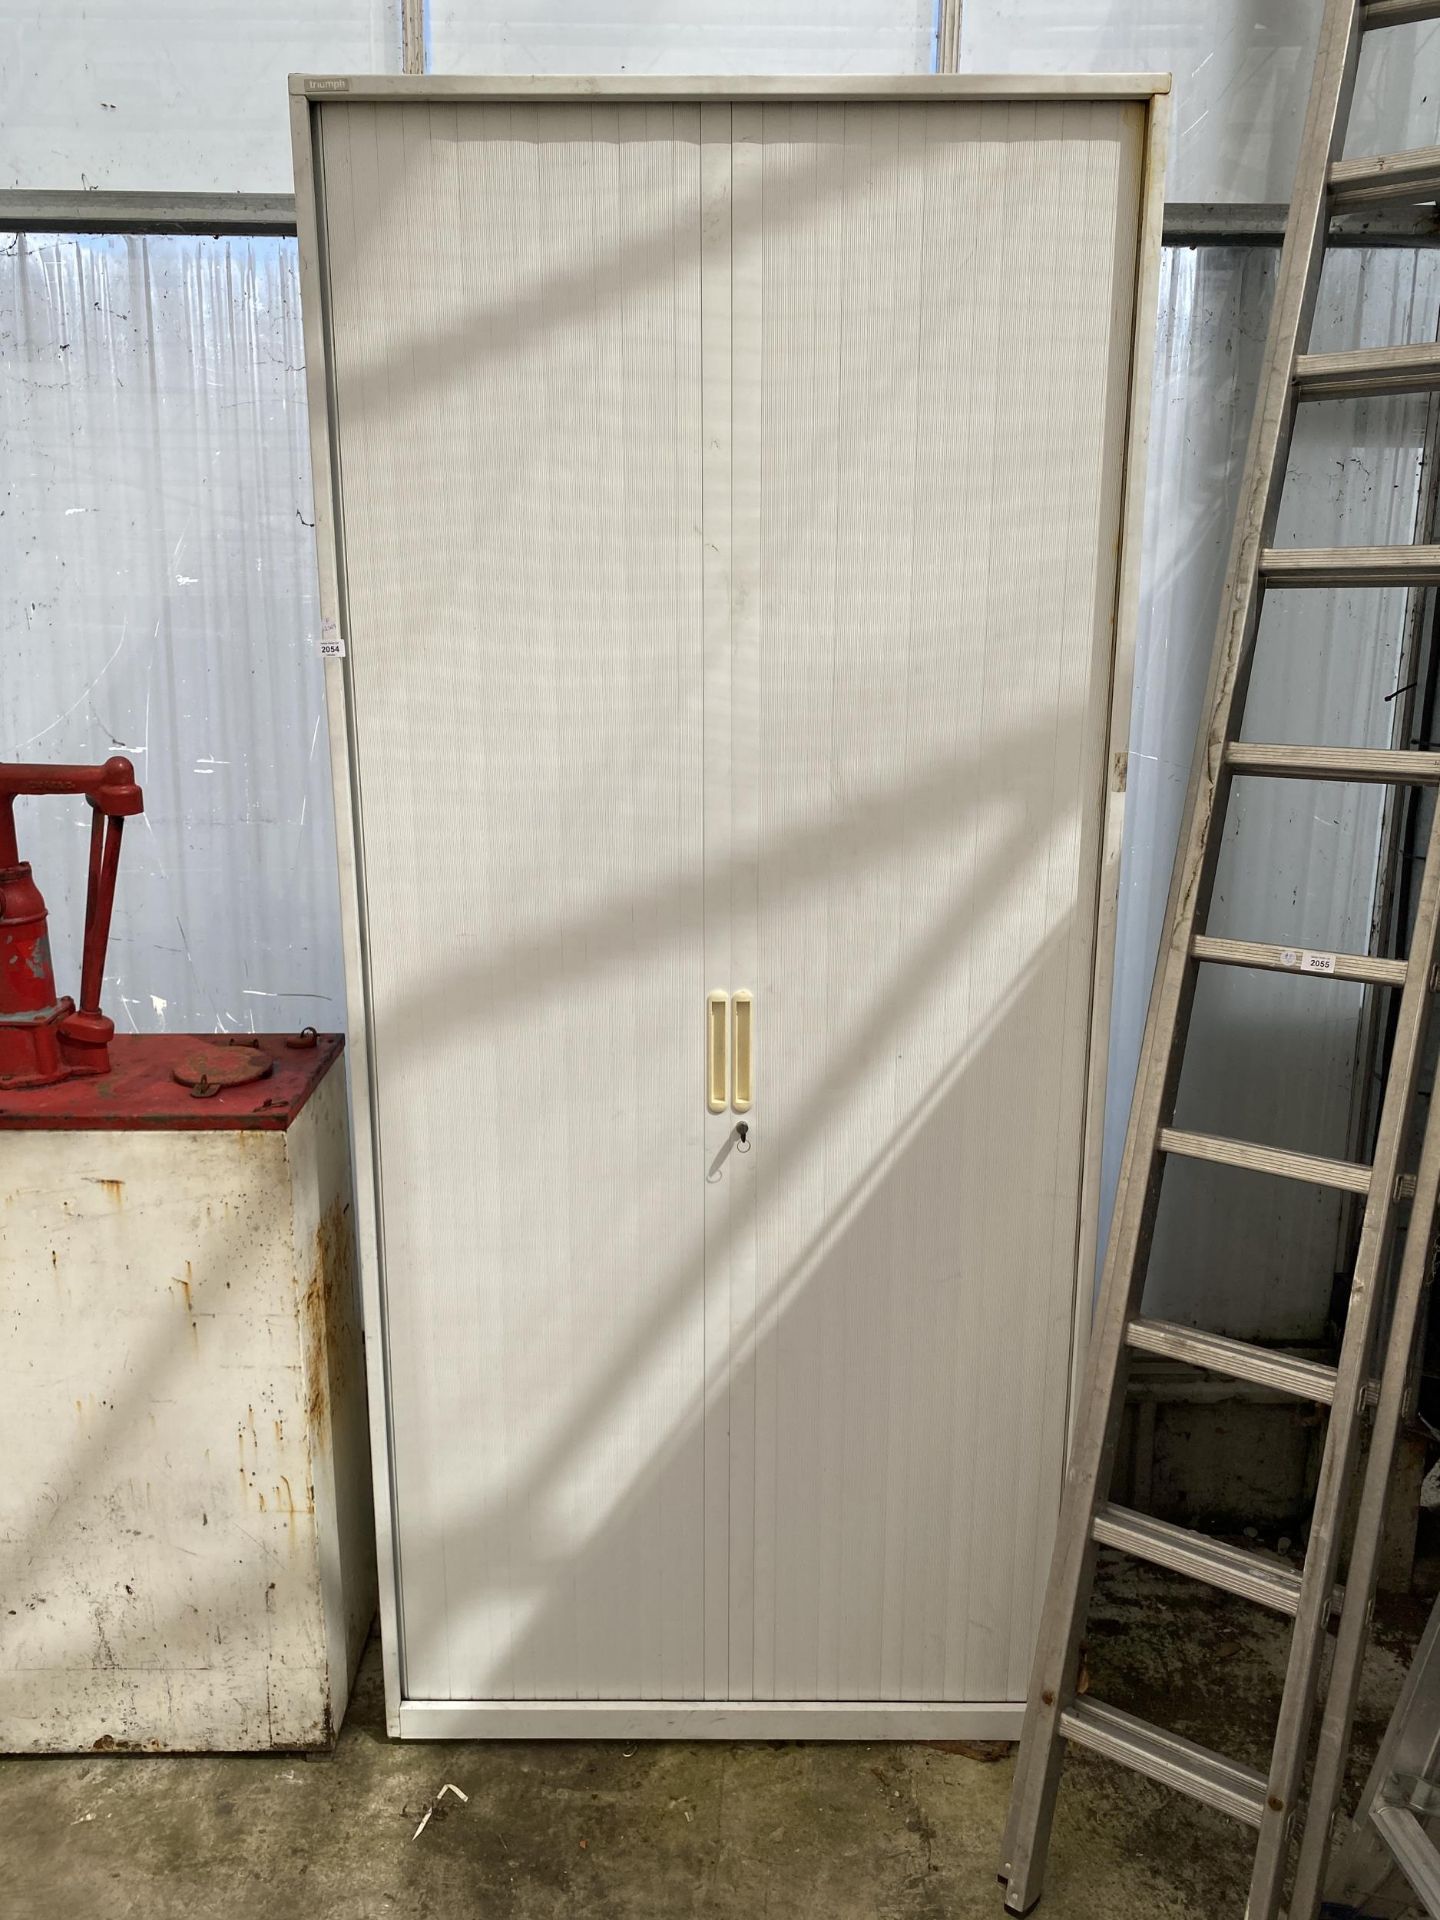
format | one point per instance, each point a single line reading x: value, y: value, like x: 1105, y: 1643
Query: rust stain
x: 324, y: 1316
x: 248, y: 1444
x: 186, y: 1287
x: 285, y: 1503
x: 114, y: 1189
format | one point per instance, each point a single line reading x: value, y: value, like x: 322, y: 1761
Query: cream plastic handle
x: 717, y: 1051
x: 743, y: 1015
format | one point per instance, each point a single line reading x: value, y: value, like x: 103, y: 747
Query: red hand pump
x: 44, y: 1038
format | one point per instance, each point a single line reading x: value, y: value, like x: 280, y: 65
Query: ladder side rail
x: 1398, y: 809
x: 1097, y: 1431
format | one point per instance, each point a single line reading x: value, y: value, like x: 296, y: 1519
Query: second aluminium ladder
x: 1391, y: 1841
x: 1056, y: 1713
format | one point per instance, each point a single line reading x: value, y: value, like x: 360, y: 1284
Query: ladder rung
x: 1235, y: 1359
x: 1412, y: 1850
x: 1220, y: 1783
x: 1256, y: 1159
x: 1412, y: 176
x: 1301, y: 960
x: 1397, y: 13
x: 1269, y: 1583
x: 1358, y: 765
x: 1350, y: 566
x: 1350, y: 376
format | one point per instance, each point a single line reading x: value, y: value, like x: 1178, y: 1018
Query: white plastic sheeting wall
x: 170, y: 96
x: 155, y: 539
x: 719, y: 36
x: 160, y: 601
x: 1242, y: 73
x: 189, y: 96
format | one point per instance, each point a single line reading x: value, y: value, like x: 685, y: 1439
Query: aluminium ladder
x: 1413, y: 1742
x: 1056, y: 1713
x: 1390, y: 1858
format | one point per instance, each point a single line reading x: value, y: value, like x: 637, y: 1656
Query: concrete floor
x: 654, y: 1832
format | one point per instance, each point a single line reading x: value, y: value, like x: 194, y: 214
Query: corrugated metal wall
x: 160, y: 601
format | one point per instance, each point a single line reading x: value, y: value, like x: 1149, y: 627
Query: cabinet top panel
x: 448, y: 89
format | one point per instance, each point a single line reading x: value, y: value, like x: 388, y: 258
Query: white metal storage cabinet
x: 728, y: 501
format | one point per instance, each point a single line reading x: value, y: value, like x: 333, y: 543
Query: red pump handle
x: 112, y: 792
x: 110, y: 789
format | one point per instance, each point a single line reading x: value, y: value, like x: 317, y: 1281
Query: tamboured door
x: 518, y: 371
x: 925, y: 495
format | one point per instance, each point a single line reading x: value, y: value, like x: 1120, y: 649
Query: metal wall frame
x: 529, y: 1719
x: 1238, y: 223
